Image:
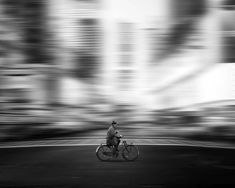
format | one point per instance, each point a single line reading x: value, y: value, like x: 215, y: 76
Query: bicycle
x: 129, y: 152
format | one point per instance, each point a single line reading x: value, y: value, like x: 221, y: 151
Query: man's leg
x: 116, y: 142
x: 112, y: 144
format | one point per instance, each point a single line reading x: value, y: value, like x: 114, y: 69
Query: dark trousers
x: 113, y: 142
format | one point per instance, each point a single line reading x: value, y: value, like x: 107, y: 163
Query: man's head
x: 114, y: 124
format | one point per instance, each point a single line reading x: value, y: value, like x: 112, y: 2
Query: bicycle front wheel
x: 130, y: 153
x: 103, y: 153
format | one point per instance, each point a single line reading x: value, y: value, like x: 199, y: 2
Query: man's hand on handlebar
x: 119, y: 136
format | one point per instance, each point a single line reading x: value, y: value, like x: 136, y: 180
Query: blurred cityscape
x: 158, y: 68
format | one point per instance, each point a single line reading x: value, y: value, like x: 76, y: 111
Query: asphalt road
x: 77, y: 166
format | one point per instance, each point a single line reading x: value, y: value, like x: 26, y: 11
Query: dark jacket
x: 112, y: 133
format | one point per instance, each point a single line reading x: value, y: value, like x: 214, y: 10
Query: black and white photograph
x: 117, y: 93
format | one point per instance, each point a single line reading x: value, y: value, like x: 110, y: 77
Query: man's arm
x: 117, y: 134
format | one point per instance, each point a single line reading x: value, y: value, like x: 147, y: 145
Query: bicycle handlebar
x: 119, y: 136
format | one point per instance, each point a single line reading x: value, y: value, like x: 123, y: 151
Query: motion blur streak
x: 157, y: 67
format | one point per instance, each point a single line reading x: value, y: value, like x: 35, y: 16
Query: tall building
x: 195, y: 45
x: 24, y: 65
x: 126, y: 56
x: 28, y: 54
x: 76, y: 30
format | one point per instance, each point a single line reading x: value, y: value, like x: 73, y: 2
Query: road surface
x: 77, y: 166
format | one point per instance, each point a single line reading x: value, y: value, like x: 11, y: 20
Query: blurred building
x: 126, y: 25
x: 26, y: 59
x: 109, y: 55
x: 188, y: 64
x: 76, y: 30
x: 227, y: 12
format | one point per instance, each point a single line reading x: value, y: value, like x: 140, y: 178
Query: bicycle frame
x: 124, y: 144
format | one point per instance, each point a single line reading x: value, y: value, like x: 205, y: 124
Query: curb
x: 97, y: 141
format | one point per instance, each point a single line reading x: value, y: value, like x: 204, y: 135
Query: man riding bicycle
x: 113, y: 137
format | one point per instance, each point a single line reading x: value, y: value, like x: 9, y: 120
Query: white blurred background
x: 75, y: 65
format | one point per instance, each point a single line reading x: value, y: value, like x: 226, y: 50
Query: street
x: 77, y: 166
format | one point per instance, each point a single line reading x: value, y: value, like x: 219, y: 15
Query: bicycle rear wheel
x: 103, y: 153
x: 130, y: 153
